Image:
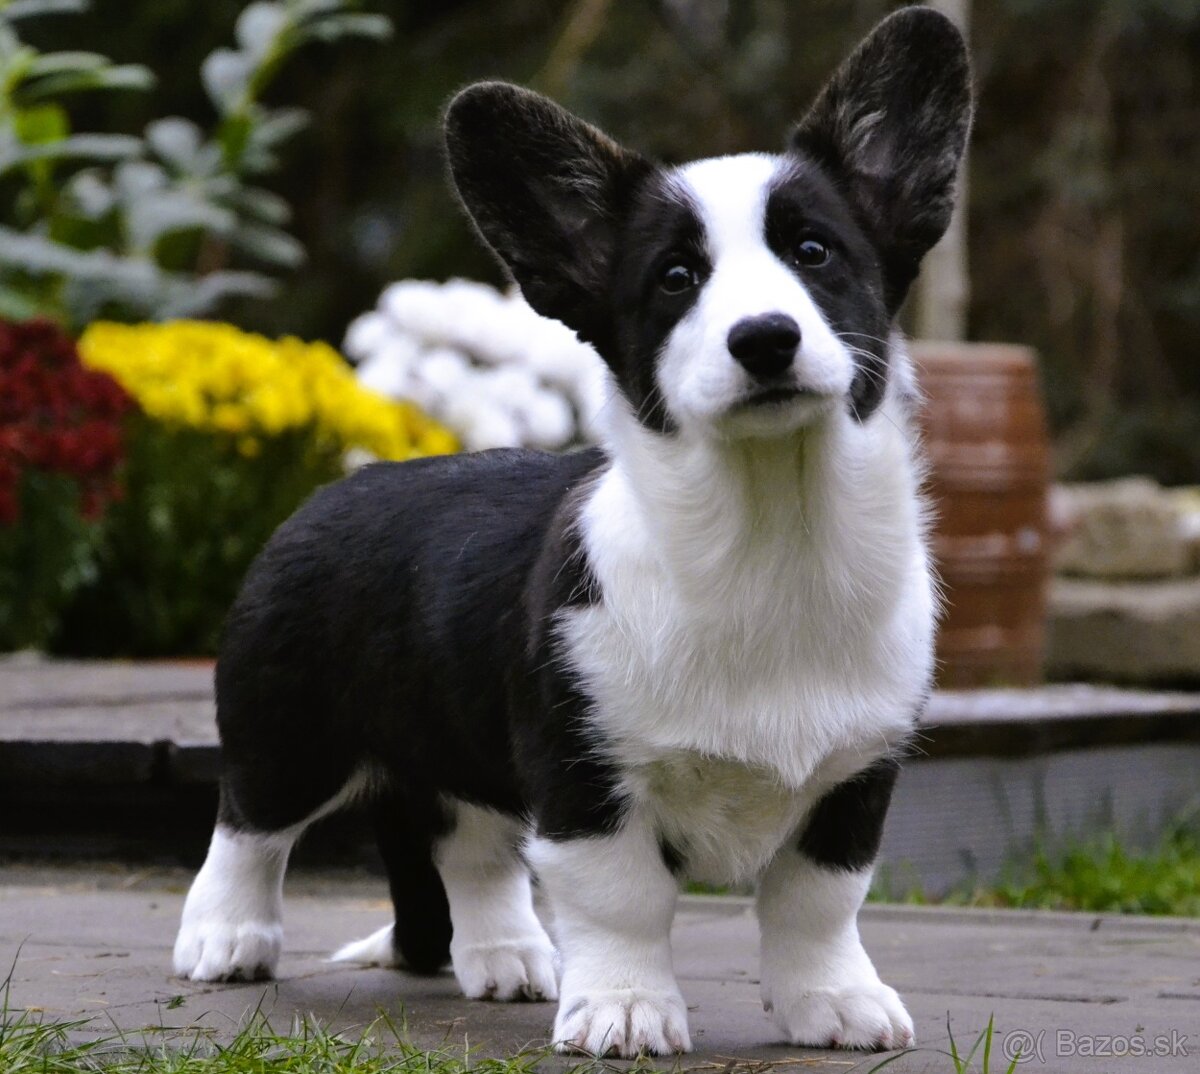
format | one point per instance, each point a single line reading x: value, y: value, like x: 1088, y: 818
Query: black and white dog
x: 695, y: 653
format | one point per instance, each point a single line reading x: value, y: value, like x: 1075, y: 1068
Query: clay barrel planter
x: 985, y: 434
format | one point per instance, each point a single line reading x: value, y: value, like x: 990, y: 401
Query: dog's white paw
x: 232, y: 927
x: 507, y: 970
x: 866, y: 1015
x: 623, y: 1022
x: 213, y: 948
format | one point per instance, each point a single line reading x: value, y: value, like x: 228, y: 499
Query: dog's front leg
x: 612, y: 898
x: 817, y: 980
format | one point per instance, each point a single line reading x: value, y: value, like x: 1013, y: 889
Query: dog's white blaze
x: 699, y: 378
x: 766, y: 623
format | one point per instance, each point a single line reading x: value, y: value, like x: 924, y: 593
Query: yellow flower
x: 230, y: 418
x: 219, y: 379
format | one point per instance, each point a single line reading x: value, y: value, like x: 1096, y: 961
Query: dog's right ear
x: 547, y: 192
x: 891, y: 127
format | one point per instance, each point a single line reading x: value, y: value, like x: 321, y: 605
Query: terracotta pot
x: 989, y: 453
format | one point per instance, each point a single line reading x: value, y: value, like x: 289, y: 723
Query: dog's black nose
x: 765, y: 345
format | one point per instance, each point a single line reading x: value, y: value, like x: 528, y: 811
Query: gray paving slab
x: 106, y: 700
x: 1080, y: 986
x: 108, y: 723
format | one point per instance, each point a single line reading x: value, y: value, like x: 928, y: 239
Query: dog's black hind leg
x: 407, y: 829
x: 282, y: 769
x: 232, y: 925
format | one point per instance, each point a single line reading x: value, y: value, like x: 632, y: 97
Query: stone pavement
x: 1094, y: 994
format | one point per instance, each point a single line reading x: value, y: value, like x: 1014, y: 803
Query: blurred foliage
x: 152, y: 234
x: 1100, y: 874
x: 1084, y: 206
x: 45, y: 559
x: 233, y: 433
x: 61, y: 450
x: 195, y: 513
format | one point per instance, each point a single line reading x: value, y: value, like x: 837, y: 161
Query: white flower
x: 390, y: 367
x: 366, y: 335
x: 483, y: 363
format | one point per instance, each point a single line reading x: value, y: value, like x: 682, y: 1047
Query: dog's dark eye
x: 677, y: 277
x: 811, y: 253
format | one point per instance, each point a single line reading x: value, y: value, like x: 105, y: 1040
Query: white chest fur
x: 766, y: 623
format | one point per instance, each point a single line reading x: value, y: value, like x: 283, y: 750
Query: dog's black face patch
x: 658, y: 276
x: 805, y: 216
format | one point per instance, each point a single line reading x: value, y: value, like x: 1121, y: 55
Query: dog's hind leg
x: 499, y: 948
x: 419, y: 938
x: 232, y: 925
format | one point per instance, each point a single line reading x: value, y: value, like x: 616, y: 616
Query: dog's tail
x: 378, y: 949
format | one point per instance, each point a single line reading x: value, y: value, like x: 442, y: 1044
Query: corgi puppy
x: 696, y: 652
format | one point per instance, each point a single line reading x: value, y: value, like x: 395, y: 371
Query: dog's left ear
x: 547, y: 192
x: 891, y: 127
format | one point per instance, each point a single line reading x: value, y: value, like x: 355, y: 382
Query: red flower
x: 56, y: 416
x: 9, y: 508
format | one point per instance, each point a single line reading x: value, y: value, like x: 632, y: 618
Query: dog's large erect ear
x: 547, y: 192
x: 891, y: 126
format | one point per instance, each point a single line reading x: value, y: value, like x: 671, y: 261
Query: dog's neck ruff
x: 828, y: 514
x: 765, y: 602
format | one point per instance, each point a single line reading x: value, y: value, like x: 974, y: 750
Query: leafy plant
x: 133, y: 227
x: 1103, y: 876
x: 196, y: 512
x: 233, y: 433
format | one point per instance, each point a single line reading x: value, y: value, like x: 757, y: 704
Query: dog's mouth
x: 765, y: 398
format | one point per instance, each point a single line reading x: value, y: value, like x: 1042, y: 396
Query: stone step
x: 112, y: 758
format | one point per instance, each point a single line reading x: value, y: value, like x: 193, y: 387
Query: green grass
x: 960, y: 1063
x: 30, y: 1044
x: 1100, y: 876
x: 33, y: 1043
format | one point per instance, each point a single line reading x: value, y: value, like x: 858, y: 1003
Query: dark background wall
x: 1084, y: 179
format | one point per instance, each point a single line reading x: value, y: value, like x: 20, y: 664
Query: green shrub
x: 196, y: 513
x: 111, y: 225
x: 233, y: 433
